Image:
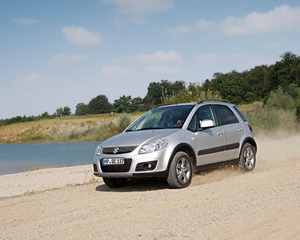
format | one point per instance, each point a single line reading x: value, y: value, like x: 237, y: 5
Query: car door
x: 233, y: 131
x: 210, y: 141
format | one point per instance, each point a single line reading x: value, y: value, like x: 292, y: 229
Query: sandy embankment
x: 221, y: 204
x: 45, y: 179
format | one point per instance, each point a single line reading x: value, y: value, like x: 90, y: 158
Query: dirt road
x: 221, y: 204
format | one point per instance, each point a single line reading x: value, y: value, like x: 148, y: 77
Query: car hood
x: 135, y: 138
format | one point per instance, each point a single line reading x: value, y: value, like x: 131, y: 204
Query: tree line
x: 245, y: 87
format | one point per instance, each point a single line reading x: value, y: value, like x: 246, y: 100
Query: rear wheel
x: 180, y: 172
x: 247, y: 158
x: 115, y: 182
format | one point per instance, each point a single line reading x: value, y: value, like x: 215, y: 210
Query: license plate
x: 113, y: 161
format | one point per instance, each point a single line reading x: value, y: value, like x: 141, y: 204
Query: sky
x: 63, y: 52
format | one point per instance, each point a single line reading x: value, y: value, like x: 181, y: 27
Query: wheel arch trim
x: 251, y: 141
x: 190, y: 152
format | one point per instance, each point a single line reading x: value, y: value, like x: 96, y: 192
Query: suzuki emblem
x: 116, y: 150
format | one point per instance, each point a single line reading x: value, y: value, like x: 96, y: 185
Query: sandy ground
x: 220, y: 204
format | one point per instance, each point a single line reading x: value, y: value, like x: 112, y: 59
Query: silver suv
x: 172, y: 141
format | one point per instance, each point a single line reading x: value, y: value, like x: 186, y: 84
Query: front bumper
x: 136, y: 165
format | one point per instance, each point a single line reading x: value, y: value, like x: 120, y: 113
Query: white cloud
x: 81, y: 36
x: 156, y: 63
x: 26, y: 21
x: 162, y: 69
x: 204, y: 25
x: 159, y: 57
x: 179, y: 30
x: 141, y: 7
x: 34, y: 79
x: 212, y: 58
x: 65, y: 58
x: 137, y: 19
x: 117, y: 71
x: 280, y: 19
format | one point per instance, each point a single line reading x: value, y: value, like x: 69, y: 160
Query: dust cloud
x: 274, y: 150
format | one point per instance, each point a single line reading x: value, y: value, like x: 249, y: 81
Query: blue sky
x: 61, y: 53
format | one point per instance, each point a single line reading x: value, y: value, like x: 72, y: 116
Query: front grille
x: 117, y: 168
x: 118, y: 150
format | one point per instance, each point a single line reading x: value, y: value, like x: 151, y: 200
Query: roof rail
x: 213, y: 100
x: 164, y: 104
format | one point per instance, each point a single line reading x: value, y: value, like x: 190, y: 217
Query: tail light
x: 249, y: 126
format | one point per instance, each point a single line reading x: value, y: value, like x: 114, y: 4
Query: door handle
x: 220, y: 133
x: 241, y: 129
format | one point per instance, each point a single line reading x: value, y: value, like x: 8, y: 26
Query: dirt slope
x: 222, y: 204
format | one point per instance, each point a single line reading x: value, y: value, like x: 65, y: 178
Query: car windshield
x: 161, y: 118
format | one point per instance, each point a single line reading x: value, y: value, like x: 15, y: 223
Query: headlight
x: 154, y: 146
x: 98, y: 151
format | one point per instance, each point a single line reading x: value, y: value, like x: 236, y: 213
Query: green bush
x: 280, y: 100
x: 271, y: 119
x: 124, y: 121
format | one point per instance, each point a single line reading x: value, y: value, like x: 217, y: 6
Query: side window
x: 239, y: 112
x: 226, y: 115
x: 206, y: 113
x: 193, y: 124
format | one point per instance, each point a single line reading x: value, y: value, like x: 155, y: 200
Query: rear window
x: 239, y: 112
x: 226, y: 115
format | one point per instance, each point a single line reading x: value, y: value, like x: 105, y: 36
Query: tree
x: 66, y: 111
x: 233, y: 88
x: 81, y: 109
x: 99, y: 104
x: 156, y: 90
x: 59, y: 111
x: 289, y: 59
x: 137, y: 105
x: 45, y: 115
x: 123, y: 104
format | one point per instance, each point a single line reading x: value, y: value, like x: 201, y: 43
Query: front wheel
x: 180, y: 172
x: 115, y: 182
x: 247, y: 158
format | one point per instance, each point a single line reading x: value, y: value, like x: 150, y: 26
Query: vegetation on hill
x: 66, y: 129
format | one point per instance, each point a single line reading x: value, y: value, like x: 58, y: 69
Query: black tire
x: 115, y: 182
x: 247, y: 158
x: 181, y: 171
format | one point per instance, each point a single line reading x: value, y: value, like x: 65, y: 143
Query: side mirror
x: 206, y: 123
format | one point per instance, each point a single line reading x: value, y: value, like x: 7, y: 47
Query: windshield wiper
x: 150, y: 128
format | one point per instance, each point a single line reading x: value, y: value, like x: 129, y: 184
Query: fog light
x: 146, y: 166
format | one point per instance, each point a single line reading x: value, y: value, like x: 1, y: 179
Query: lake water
x: 15, y: 158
